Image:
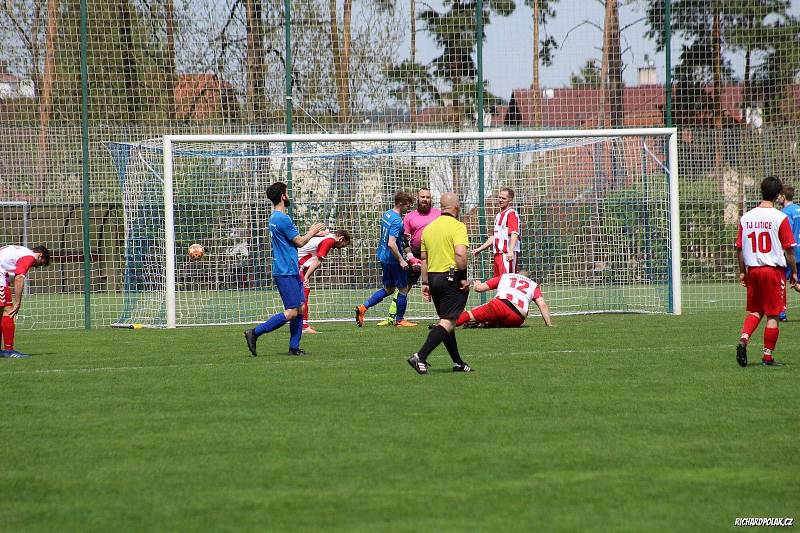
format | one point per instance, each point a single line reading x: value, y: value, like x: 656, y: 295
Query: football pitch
x: 603, y: 423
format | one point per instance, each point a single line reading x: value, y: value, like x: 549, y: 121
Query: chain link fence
x: 725, y: 73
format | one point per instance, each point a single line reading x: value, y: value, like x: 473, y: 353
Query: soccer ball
x: 196, y: 251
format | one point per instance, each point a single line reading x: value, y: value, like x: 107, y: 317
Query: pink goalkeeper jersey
x: 764, y: 232
x: 413, y: 224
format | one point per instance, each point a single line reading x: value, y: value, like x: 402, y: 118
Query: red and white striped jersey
x: 517, y: 289
x: 15, y: 260
x: 316, y: 247
x: 505, y: 223
x: 764, y: 232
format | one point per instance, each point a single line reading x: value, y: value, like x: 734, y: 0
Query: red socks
x: 463, y: 319
x: 750, y: 324
x: 7, y: 326
x: 306, y: 292
x: 770, y: 338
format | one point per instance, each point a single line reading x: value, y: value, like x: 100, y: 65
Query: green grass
x: 603, y: 423
x: 65, y: 311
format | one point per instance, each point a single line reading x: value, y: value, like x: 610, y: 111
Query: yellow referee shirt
x: 439, y: 239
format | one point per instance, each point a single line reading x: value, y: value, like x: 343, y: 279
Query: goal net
x: 598, y: 211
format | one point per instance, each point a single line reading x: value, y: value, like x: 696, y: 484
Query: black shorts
x: 447, y: 296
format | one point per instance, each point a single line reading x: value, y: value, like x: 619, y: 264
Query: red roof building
x: 201, y: 96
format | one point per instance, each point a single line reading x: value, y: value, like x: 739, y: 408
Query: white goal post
x: 170, y: 142
x: 599, y: 214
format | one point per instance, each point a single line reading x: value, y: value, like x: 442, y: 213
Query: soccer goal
x: 599, y: 211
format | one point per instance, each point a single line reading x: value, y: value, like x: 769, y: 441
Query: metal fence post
x: 87, y: 243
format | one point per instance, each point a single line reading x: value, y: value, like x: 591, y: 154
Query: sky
x: 577, y: 27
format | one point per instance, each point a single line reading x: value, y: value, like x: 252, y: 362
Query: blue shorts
x: 291, y: 290
x: 394, y: 276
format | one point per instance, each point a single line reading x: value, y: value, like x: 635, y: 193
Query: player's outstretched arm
x: 545, y: 310
x: 480, y: 286
x: 302, y: 240
x: 482, y: 247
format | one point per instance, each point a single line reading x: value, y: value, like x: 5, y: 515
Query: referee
x: 444, y: 279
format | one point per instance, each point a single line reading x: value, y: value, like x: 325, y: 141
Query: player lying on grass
x: 509, y: 307
x: 16, y: 261
x: 311, y: 257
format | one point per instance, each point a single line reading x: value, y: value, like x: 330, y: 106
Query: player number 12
x: 522, y: 284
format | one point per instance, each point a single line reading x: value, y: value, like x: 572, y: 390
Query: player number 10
x: 763, y: 240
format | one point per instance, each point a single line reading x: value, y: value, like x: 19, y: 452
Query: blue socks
x: 376, y: 298
x: 402, y: 303
x: 278, y: 320
x: 272, y: 323
x: 295, y: 332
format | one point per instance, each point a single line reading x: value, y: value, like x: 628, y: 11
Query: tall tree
x: 587, y: 78
x: 340, y: 33
x: 543, y: 50
x: 23, y: 28
x: 706, y: 29
x: 776, y: 78
x: 170, y: 73
x: 765, y: 30
x: 33, y: 26
x: 412, y: 83
x: 412, y: 96
x: 453, y: 30
x: 256, y: 69
x: 46, y: 90
x: 611, y: 69
x: 130, y: 67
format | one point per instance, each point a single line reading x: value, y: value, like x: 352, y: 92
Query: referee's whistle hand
x: 464, y: 285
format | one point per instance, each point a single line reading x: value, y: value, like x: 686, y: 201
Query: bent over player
x: 765, y: 247
x: 311, y: 257
x: 509, y: 307
x: 16, y: 261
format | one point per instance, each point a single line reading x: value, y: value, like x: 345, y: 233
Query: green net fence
x: 140, y: 69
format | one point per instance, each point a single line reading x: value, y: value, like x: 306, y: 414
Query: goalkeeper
x: 413, y: 224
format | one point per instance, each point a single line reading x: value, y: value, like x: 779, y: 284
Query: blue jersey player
x: 285, y: 239
x: 393, y: 264
x: 792, y: 211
